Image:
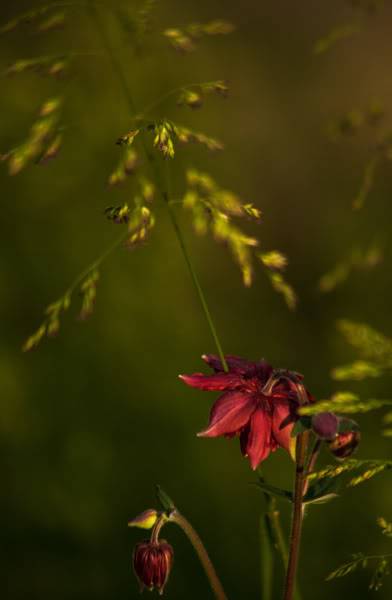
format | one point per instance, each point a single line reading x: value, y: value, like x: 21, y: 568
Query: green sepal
x: 165, y: 500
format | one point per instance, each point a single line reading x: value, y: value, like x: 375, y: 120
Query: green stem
x: 297, y: 516
x: 194, y: 538
x: 276, y: 527
x: 267, y: 543
x: 193, y: 274
x: 167, y: 95
x: 312, y: 463
x: 117, y: 68
x: 112, y: 57
x: 97, y: 262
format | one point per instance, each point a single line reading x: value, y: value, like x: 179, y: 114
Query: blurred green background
x: 92, y: 420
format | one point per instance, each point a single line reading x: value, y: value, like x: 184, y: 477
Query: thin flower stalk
x: 194, y: 538
x: 297, y: 516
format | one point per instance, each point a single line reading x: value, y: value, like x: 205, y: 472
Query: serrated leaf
x: 368, y: 468
x: 344, y: 403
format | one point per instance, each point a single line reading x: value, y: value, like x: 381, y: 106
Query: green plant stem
x: 297, y: 516
x: 96, y: 263
x: 193, y: 274
x: 197, y: 285
x: 312, y: 463
x: 276, y: 527
x: 117, y: 68
x: 267, y: 543
x: 167, y: 95
x: 194, y: 538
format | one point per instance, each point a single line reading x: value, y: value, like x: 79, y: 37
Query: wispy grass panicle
x: 126, y: 166
x: 213, y: 209
x: 358, y: 259
x: 43, y: 65
x: 185, y: 39
x: 43, y: 141
x: 40, y: 20
x: 380, y: 563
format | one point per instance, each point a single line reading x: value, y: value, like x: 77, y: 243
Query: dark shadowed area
x: 92, y: 419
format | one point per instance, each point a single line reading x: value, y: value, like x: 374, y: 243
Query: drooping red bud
x: 325, y: 425
x: 152, y: 562
x: 345, y: 442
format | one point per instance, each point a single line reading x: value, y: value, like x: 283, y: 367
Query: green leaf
x: 322, y: 491
x: 274, y: 491
x: 366, y: 469
x: 344, y: 403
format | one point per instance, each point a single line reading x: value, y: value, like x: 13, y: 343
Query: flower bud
x: 146, y: 520
x: 325, y: 425
x: 152, y: 563
x: 346, y: 442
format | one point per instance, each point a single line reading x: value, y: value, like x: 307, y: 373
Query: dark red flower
x: 152, y: 562
x: 258, y: 404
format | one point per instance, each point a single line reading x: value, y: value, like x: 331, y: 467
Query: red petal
x: 236, y: 364
x: 283, y: 419
x: 259, y: 438
x: 229, y: 414
x: 217, y: 382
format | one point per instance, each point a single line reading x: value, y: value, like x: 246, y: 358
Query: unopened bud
x: 346, y: 442
x: 146, y: 520
x: 325, y: 425
x: 152, y: 562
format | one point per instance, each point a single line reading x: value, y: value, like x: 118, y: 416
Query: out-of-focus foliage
x: 186, y: 38
x: 363, y: 469
x: 374, y: 348
x: 380, y: 564
x: 43, y: 142
x: 344, y: 403
x: 357, y: 260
